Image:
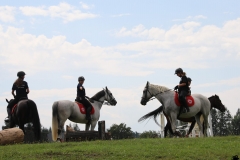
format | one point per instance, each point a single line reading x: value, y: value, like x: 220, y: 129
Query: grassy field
x: 222, y: 148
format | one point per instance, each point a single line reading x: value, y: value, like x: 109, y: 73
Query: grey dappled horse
x: 166, y: 97
x: 65, y: 109
x: 214, y: 101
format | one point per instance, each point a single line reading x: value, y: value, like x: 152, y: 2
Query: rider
x: 21, y: 88
x: 189, y: 83
x: 81, y: 97
x: 183, y: 89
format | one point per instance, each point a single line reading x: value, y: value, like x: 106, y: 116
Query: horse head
x: 109, y: 97
x: 217, y: 103
x: 146, y: 94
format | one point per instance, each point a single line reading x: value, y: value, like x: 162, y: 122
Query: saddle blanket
x: 14, y: 108
x: 190, y: 100
x: 82, y: 108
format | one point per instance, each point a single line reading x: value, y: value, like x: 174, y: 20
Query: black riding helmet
x: 178, y: 70
x: 21, y: 73
x: 81, y: 78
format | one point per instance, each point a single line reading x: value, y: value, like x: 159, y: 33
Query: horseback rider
x: 189, y: 83
x: 183, y: 89
x: 81, y: 97
x: 21, y: 88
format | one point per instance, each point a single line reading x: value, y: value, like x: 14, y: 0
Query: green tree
x: 149, y: 134
x: 120, y: 131
x: 236, y: 123
x: 214, y: 121
x: 221, y: 122
x: 44, y: 134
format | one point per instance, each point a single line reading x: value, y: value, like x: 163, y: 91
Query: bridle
x: 152, y: 95
x: 110, y: 97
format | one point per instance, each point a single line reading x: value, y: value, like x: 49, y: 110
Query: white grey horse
x: 65, y: 109
x: 166, y: 97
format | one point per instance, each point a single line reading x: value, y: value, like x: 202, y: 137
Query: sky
x: 121, y: 45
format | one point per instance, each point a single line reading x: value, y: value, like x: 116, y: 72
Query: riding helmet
x: 178, y: 70
x: 21, y: 73
x: 81, y: 78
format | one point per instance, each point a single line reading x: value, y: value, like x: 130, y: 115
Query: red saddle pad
x: 190, y: 100
x: 82, y: 108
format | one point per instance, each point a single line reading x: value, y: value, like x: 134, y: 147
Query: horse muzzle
x: 113, y: 102
x: 143, y: 102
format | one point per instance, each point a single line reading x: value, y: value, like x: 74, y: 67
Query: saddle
x: 189, y: 99
x: 15, y: 105
x: 82, y: 108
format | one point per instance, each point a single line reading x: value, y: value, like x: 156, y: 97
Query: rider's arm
x: 13, y: 93
x: 27, y: 90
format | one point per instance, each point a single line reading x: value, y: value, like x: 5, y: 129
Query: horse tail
x: 55, y: 121
x: 35, y: 119
x: 153, y: 114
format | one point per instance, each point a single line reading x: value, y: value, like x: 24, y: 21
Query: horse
x: 166, y: 97
x: 25, y: 111
x: 65, y: 109
x: 215, y: 103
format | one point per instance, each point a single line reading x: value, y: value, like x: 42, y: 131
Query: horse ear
x: 7, y: 101
x: 106, y: 88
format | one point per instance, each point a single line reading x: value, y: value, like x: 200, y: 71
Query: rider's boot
x: 88, y: 116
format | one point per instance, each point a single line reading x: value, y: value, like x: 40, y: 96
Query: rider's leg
x: 88, y: 107
x: 182, y: 99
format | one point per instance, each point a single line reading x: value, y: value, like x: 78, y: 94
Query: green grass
x: 171, y: 148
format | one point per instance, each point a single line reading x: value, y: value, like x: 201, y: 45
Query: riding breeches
x: 85, y: 102
x: 182, y: 98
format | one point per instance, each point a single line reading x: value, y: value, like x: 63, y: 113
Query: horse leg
x: 197, y: 118
x: 60, y: 128
x: 87, y: 126
x: 191, y: 128
x: 173, y: 122
x: 166, y: 128
x: 205, y: 120
x: 93, y: 125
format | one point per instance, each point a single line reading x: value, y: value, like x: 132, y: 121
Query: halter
x: 110, y: 97
x: 152, y: 95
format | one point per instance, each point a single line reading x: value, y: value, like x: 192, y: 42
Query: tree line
x: 222, y: 122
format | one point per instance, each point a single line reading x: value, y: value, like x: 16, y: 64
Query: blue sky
x: 122, y: 45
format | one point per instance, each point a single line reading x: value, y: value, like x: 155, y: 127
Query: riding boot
x: 182, y: 109
x: 186, y: 106
x: 88, y: 116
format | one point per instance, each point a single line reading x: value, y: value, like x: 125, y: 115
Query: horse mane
x: 98, y: 95
x: 159, y: 88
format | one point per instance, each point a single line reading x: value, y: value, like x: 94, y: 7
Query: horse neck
x: 99, y: 102
x: 161, y: 96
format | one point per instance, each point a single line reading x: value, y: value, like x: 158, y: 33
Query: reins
x: 152, y: 94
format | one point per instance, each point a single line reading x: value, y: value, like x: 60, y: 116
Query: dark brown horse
x: 215, y: 103
x: 25, y: 112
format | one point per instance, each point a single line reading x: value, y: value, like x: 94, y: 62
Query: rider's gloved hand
x: 175, y: 88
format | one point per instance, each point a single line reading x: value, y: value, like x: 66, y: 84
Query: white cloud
x: 7, y: 13
x: 121, y: 15
x: 67, y: 77
x: 229, y: 82
x: 187, y: 44
x: 86, y: 6
x: 64, y: 11
x: 190, y: 18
